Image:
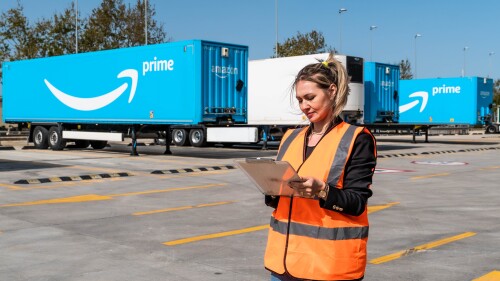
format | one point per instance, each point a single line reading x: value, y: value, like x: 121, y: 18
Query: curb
x: 189, y: 170
x: 436, y: 152
x: 73, y: 178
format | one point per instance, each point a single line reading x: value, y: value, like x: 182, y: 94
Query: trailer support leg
x: 265, y: 133
x: 414, y: 133
x: 134, y: 143
x: 168, y: 140
x: 426, y: 134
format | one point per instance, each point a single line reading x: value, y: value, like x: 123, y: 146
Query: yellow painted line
x: 73, y: 199
x: 430, y: 176
x: 12, y: 187
x: 490, y: 168
x: 422, y: 247
x: 492, y: 276
x: 215, y: 235
x: 96, y: 197
x: 181, y: 208
x: 376, y: 208
x: 166, y: 190
x: 251, y: 229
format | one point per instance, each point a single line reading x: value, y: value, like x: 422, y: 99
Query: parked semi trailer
x: 446, y: 101
x: 381, y: 93
x: 419, y: 104
x: 195, y: 89
x: 271, y: 103
x: 494, y: 126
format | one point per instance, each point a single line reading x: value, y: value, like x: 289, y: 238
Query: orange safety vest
x: 305, y: 240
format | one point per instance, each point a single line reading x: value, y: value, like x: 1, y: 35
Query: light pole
x: 416, y: 36
x: 342, y: 10
x: 146, y: 21
x: 76, y: 27
x: 373, y: 27
x: 463, y: 69
x: 490, y: 54
x: 276, y: 24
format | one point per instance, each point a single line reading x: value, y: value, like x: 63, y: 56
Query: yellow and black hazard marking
x: 192, y: 170
x: 436, y: 152
x: 74, y: 178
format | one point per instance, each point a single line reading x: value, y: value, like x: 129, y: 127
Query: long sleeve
x: 358, y: 174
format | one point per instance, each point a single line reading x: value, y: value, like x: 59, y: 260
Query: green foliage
x: 496, y: 92
x: 405, y: 70
x: 111, y: 25
x: 17, y: 37
x: 303, y: 44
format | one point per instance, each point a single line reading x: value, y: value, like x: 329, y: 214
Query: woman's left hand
x: 308, y: 187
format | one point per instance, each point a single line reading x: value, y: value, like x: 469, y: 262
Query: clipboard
x: 269, y: 176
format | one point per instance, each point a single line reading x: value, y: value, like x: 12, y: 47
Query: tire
x: 197, y: 138
x: 491, y: 129
x: 82, y: 143
x: 41, y: 137
x: 180, y: 137
x: 56, y: 142
x: 98, y: 144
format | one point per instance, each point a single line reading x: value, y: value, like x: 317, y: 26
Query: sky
x: 456, y: 36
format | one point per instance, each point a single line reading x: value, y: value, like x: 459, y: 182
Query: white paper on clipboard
x: 270, y: 176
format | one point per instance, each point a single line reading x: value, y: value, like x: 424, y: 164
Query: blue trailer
x: 381, y: 93
x: 446, y: 101
x: 187, y: 88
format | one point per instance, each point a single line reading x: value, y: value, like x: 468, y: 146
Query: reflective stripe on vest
x: 305, y: 240
x: 287, y: 142
x: 318, y: 232
x: 341, y: 156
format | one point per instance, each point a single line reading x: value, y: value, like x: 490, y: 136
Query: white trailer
x: 270, y: 99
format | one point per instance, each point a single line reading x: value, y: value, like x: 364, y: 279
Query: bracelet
x: 323, y: 194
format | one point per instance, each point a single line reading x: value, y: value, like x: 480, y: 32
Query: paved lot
x: 434, y: 214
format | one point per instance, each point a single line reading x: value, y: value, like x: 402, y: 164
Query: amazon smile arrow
x: 88, y: 104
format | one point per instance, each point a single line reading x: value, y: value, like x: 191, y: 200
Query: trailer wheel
x: 197, y: 138
x: 82, y: 143
x: 491, y: 129
x: 98, y: 144
x: 180, y: 137
x: 41, y: 137
x: 56, y: 142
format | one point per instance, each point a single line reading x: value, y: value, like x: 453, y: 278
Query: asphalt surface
x: 106, y: 215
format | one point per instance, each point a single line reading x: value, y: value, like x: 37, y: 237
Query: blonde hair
x: 324, y: 74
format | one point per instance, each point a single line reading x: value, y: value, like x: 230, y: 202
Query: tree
x: 112, y: 25
x: 303, y: 44
x: 17, y: 37
x: 405, y: 70
x: 61, y: 39
x: 135, y: 26
x: 106, y: 27
x: 496, y: 92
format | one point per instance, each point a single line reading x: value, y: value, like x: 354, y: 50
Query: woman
x: 321, y: 232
